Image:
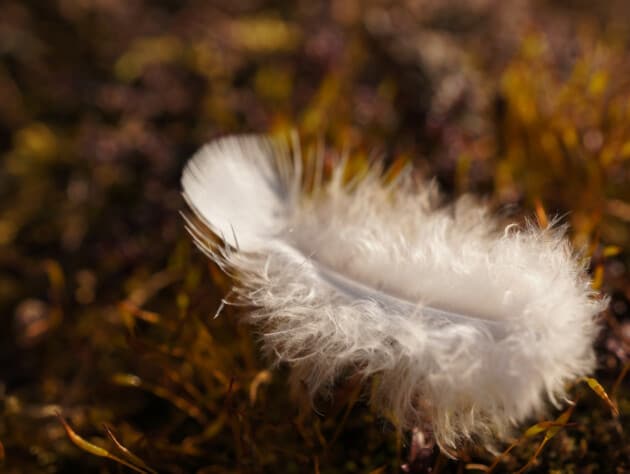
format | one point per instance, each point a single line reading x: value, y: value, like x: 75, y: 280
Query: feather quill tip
x: 471, y: 327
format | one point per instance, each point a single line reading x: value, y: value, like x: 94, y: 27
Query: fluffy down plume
x: 469, y: 326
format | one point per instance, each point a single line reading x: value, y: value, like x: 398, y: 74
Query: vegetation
x: 110, y: 348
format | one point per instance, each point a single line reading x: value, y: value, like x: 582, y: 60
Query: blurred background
x: 105, y: 305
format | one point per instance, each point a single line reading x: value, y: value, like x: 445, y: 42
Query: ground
x: 108, y: 308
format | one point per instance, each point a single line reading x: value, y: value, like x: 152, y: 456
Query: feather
x: 468, y: 325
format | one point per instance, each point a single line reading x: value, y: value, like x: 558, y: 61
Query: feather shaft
x: 359, y: 291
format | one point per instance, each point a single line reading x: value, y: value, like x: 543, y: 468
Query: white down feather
x: 469, y: 326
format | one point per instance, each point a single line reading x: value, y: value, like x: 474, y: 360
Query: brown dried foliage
x: 107, y: 307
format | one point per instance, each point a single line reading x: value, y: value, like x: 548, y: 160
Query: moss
x: 108, y: 309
